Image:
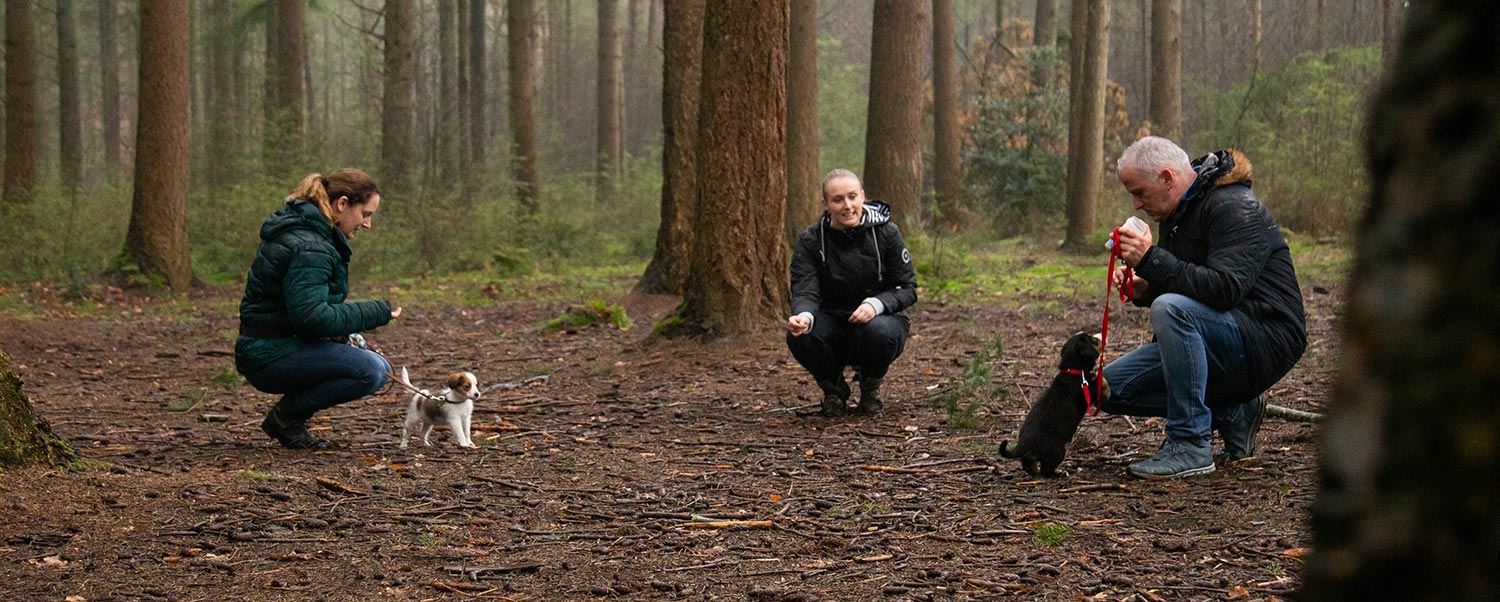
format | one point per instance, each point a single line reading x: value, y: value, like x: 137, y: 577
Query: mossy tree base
x: 26, y: 440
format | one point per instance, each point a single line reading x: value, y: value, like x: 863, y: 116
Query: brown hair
x: 350, y: 182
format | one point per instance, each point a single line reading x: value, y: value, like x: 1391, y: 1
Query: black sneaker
x: 290, y: 432
x: 1239, y: 429
x: 835, y: 394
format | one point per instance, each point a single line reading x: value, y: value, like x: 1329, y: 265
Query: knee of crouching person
x: 1168, y: 308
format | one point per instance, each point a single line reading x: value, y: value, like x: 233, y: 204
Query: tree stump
x: 26, y: 440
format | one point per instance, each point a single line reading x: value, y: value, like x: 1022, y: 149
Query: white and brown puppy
x: 453, y: 406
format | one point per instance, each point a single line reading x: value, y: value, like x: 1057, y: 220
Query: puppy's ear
x: 456, y: 381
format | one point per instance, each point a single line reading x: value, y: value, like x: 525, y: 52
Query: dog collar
x: 1088, y: 399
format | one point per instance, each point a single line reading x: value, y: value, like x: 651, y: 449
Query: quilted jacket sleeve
x: 310, y: 308
x: 806, y: 292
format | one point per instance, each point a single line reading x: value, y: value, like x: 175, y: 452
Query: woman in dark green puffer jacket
x: 294, y: 321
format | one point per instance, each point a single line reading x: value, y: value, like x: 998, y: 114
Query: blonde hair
x: 835, y: 175
x: 347, y: 182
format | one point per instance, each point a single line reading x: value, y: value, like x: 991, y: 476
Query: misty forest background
x: 554, y: 163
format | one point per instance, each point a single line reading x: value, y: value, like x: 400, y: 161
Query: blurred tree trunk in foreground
x: 738, y: 277
x: 1411, y: 450
x: 25, y: 439
x: 682, y: 74
x: 156, y: 242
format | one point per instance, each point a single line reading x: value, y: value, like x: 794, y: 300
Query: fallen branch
x: 333, y: 485
x: 1292, y: 415
x: 891, y: 469
x: 1094, y: 487
x: 477, y: 572
x: 517, y: 384
x: 728, y: 524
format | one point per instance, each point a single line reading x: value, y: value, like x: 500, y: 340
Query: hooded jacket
x: 836, y: 270
x: 1221, y: 247
x: 296, y: 287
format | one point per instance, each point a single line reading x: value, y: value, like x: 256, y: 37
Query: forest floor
x: 604, y: 480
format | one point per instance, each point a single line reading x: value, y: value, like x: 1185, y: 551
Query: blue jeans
x: 1196, y: 365
x: 834, y: 343
x: 320, y: 375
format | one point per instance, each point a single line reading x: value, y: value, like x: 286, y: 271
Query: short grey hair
x: 835, y: 175
x: 1154, y: 153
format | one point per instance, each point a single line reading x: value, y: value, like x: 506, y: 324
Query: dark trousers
x: 834, y: 343
x: 320, y: 375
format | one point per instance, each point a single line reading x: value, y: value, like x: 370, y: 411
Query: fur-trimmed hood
x: 1219, y: 169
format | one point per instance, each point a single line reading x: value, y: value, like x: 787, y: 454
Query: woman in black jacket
x: 852, y: 281
x: 294, y: 320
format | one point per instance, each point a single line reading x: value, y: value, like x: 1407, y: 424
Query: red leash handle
x: 1127, y: 290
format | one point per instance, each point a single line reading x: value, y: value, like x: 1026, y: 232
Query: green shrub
x: 1300, y: 127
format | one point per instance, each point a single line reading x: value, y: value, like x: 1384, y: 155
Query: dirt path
x: 602, y: 482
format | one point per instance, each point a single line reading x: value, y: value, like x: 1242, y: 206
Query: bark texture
x: 156, y: 242
x: 524, y: 127
x: 1409, y: 449
x: 396, y: 111
x: 738, y: 281
x: 21, y: 107
x: 893, y: 142
x: 1086, y: 154
x: 1166, y: 68
x: 802, y: 166
x: 682, y: 75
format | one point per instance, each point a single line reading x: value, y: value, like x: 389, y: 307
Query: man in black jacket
x: 1225, y: 306
x: 852, y: 281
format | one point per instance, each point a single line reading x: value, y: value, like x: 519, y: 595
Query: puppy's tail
x: 1008, y: 449
x: 405, y: 380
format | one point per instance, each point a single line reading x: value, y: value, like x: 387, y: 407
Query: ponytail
x: 314, y: 188
x: 347, y: 182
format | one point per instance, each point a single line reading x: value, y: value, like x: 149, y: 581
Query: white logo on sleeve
x: 905, y: 256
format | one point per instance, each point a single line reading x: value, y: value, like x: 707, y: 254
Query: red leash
x: 1127, y: 290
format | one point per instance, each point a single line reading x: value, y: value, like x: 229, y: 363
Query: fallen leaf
x: 1296, y: 552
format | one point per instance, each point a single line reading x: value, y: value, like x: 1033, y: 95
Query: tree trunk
x: 476, y: 80
x: 22, y: 136
x: 1409, y: 454
x: 70, y: 127
x: 608, y: 168
x: 738, y: 281
x: 109, y: 99
x: 1044, y: 34
x: 448, y: 147
x: 285, y: 93
x: 630, y: 76
x: 947, y: 134
x: 220, y: 90
x: 396, y: 107
x: 1086, y: 157
x: 1166, y: 68
x: 25, y: 439
x: 803, y: 178
x: 461, y: 46
x: 893, y: 140
x: 156, y: 242
x: 682, y: 74
x: 524, y: 129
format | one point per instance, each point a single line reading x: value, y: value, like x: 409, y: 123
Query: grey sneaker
x: 1176, y: 459
x: 1239, y: 428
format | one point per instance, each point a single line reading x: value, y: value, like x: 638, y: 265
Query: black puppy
x: 1055, y: 416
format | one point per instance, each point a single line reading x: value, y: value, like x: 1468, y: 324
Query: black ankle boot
x: 869, y: 395
x: 290, y: 432
x: 835, y: 393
